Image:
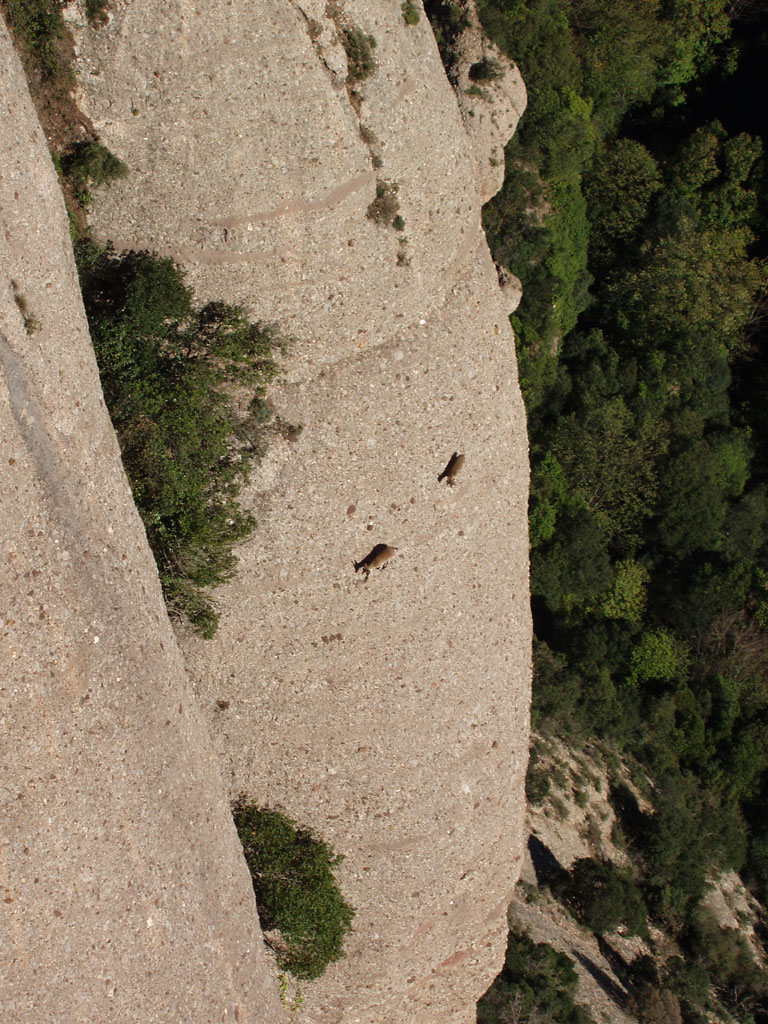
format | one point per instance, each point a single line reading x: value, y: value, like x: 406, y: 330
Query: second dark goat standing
x: 455, y: 463
x: 376, y: 558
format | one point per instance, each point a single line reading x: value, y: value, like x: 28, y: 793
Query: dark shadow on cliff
x: 545, y: 863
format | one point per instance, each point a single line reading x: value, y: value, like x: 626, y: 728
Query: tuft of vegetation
x: 386, y: 205
x: 96, y: 12
x: 38, y: 26
x: 537, y: 780
x: 411, y: 13
x: 536, y: 984
x: 170, y: 371
x: 486, y: 70
x: 651, y: 1005
x: 359, y: 48
x: 601, y: 896
x: 729, y: 963
x: 296, y: 892
x: 32, y: 323
x: 88, y: 165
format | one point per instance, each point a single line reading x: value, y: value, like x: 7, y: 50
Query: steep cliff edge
x: 124, y: 893
x: 390, y: 715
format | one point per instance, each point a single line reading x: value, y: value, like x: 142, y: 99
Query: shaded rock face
x: 123, y: 892
x: 392, y: 714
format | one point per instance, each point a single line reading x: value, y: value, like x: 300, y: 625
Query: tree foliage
x: 296, y: 891
x: 602, y: 897
x: 169, y: 371
x: 634, y: 212
x: 537, y: 986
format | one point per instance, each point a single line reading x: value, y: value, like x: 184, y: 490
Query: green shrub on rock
x: 168, y: 371
x: 91, y: 164
x: 39, y: 26
x: 411, y: 15
x: 384, y: 208
x: 486, y: 70
x: 602, y: 897
x: 296, y: 892
x: 359, y: 48
x: 96, y: 11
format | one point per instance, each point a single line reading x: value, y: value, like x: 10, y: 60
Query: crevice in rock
x: 314, y: 31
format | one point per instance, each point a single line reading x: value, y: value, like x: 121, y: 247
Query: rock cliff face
x: 124, y: 896
x: 391, y: 715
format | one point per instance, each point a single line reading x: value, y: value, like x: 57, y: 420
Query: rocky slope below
x: 124, y: 893
x: 391, y: 715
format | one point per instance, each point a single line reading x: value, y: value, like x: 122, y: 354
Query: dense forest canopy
x: 635, y: 211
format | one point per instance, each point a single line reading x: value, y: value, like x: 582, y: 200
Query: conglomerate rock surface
x: 391, y: 715
x: 124, y: 896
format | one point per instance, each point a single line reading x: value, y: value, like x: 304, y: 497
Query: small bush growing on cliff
x: 169, y: 371
x: 650, y: 1005
x: 486, y: 70
x: 384, y: 208
x: 32, y: 324
x: 296, y: 892
x: 411, y: 15
x: 537, y: 780
x: 359, y: 48
x: 96, y: 12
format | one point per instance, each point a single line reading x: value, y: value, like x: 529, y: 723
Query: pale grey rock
x: 390, y: 715
x: 124, y: 896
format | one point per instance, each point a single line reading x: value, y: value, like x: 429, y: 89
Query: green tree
x: 697, y: 484
x: 675, y: 851
x: 696, y: 27
x: 537, y: 983
x: 574, y: 568
x: 627, y: 597
x: 620, y: 185
x: 619, y: 53
x: 657, y: 655
x: 729, y: 960
x: 610, y: 465
x: 602, y: 897
x: 548, y: 498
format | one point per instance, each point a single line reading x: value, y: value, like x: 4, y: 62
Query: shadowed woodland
x: 634, y: 213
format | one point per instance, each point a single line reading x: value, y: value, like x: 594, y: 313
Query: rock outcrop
x: 391, y: 715
x: 124, y: 896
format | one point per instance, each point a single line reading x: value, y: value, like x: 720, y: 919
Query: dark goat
x: 455, y: 463
x: 377, y: 557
